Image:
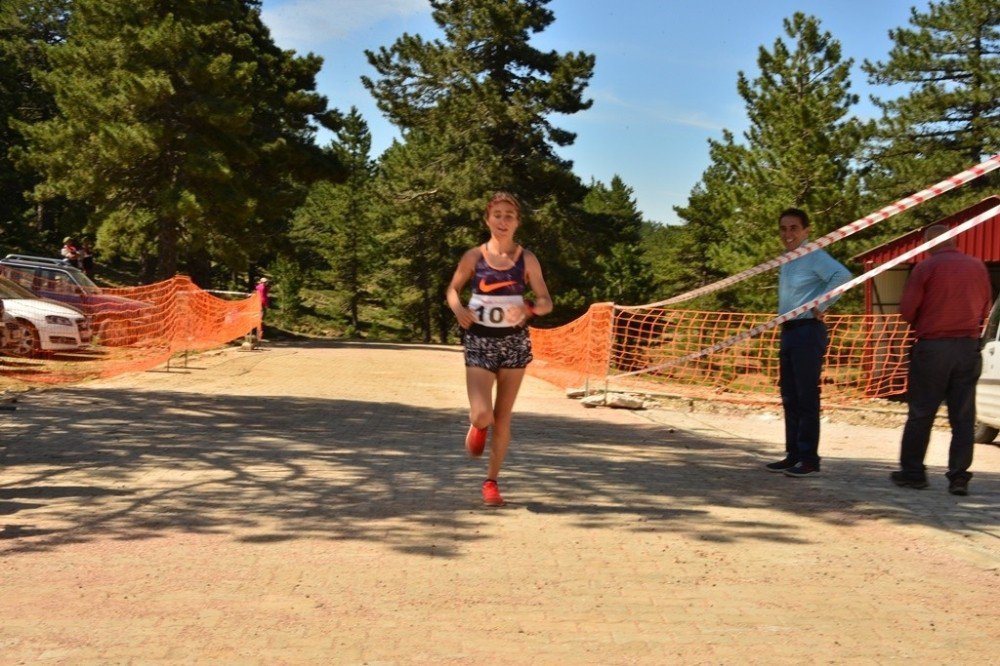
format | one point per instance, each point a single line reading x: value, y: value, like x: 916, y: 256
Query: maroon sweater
x: 947, y: 296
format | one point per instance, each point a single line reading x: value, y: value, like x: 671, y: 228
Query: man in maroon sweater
x: 946, y: 299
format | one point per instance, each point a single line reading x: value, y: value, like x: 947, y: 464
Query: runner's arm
x: 463, y: 273
x: 533, y: 275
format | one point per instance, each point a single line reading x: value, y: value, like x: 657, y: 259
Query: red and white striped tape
x: 892, y: 209
x: 833, y: 293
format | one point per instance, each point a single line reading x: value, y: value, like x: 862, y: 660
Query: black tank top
x: 496, y: 281
x: 489, y: 282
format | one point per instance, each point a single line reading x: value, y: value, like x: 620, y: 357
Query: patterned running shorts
x: 510, y: 351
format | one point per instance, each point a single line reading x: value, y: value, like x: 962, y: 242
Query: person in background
x: 803, y: 343
x: 945, y: 301
x: 262, y: 291
x: 69, y: 252
x: 86, y: 258
x: 495, y: 335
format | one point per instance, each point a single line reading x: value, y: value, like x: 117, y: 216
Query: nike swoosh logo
x: 487, y: 288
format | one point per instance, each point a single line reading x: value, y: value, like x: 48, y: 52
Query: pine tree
x: 681, y: 255
x: 26, y: 28
x: 335, y: 230
x: 798, y: 151
x: 949, y: 117
x: 422, y: 235
x: 477, y: 107
x: 485, y: 82
x: 621, y: 275
x: 183, y: 127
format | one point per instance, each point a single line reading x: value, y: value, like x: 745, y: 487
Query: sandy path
x: 313, y: 504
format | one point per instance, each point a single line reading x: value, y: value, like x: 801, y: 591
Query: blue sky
x: 664, y: 82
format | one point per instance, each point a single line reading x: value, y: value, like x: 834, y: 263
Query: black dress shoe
x: 904, y: 481
x: 958, y: 487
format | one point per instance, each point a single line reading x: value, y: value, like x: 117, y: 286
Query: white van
x: 988, y: 387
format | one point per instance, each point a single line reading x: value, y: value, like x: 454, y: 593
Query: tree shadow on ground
x: 341, y: 343
x: 97, y: 463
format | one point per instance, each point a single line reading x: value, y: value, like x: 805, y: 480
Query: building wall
x: 886, y: 290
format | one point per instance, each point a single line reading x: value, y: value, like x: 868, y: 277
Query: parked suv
x: 116, y: 320
x: 988, y: 388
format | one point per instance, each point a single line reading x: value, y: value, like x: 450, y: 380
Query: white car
x: 11, y: 334
x: 988, y: 387
x: 46, y: 326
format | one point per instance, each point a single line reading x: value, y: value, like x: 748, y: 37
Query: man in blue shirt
x: 803, y: 343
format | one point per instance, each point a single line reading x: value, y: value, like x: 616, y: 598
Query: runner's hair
x: 507, y: 197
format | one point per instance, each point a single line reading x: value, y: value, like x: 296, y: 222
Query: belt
x: 795, y: 323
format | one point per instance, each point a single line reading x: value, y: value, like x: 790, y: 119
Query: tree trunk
x: 444, y: 323
x: 425, y: 317
x: 149, y: 263
x: 166, y: 246
x: 199, y: 268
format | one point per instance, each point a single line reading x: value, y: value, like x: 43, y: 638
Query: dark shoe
x: 802, y: 469
x: 780, y: 466
x: 958, y: 486
x: 904, y: 481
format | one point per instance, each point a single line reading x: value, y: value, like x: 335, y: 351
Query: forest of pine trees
x: 184, y: 140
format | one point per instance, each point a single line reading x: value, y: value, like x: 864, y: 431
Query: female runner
x: 496, y: 341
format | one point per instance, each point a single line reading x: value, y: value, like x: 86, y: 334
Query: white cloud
x: 655, y: 112
x: 305, y: 25
x: 690, y: 119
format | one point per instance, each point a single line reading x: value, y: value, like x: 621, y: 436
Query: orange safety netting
x: 573, y: 353
x: 80, y: 333
x: 649, y: 349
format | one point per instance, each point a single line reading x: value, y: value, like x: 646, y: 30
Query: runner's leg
x: 508, y: 384
x: 479, y: 383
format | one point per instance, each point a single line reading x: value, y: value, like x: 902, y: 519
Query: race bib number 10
x: 494, y: 311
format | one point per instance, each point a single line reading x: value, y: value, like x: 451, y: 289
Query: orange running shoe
x: 475, y: 441
x: 491, y: 493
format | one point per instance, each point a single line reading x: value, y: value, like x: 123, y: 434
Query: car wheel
x: 112, y: 333
x: 984, y: 434
x: 30, y: 342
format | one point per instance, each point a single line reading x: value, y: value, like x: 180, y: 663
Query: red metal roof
x: 981, y: 241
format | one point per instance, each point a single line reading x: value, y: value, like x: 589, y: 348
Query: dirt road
x: 313, y: 504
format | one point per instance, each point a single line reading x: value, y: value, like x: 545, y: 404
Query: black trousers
x: 943, y: 370
x: 803, y: 345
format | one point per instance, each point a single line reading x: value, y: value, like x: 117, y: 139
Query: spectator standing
x: 69, y: 252
x: 803, y: 343
x: 262, y: 291
x: 86, y: 258
x: 945, y: 301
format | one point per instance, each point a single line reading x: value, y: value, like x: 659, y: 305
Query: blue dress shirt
x: 809, y: 277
